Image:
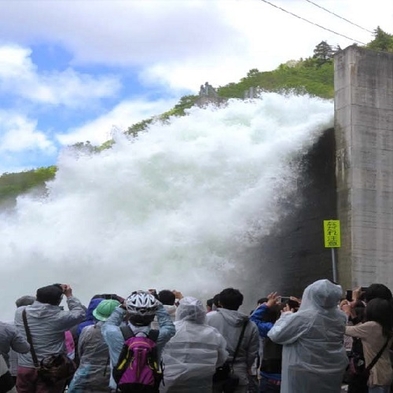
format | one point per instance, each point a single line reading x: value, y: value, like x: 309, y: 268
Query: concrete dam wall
x: 364, y: 165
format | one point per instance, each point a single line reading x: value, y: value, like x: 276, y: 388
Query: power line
x: 338, y: 16
x: 315, y: 24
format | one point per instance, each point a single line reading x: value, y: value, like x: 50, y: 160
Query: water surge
x: 178, y: 207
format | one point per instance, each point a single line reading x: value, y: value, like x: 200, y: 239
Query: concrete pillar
x: 363, y: 81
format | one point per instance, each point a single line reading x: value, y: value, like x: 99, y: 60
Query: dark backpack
x: 138, y: 369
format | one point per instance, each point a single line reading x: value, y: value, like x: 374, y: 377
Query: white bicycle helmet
x: 141, y: 303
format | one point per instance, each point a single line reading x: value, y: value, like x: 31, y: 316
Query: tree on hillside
x: 253, y: 72
x: 382, y: 41
x: 323, y: 53
x: 185, y: 102
x: 85, y: 147
x: 138, y: 127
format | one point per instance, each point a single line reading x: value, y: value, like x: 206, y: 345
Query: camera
x: 348, y: 295
x: 153, y: 292
x: 291, y: 303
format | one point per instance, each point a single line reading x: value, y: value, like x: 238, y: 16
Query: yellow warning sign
x: 332, y: 233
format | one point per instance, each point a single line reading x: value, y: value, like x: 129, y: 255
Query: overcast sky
x: 72, y: 71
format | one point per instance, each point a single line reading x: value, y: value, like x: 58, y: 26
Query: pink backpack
x: 70, y: 345
x: 138, y: 369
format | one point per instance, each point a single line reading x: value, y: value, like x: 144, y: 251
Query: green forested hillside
x: 313, y: 75
x: 301, y: 77
x: 14, y: 184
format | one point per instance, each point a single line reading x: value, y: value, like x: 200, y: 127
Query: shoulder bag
x: 360, y: 374
x: 6, y: 380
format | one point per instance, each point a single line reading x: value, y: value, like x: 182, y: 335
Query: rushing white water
x: 177, y: 207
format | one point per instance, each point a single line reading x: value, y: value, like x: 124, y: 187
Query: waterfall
x: 177, y: 207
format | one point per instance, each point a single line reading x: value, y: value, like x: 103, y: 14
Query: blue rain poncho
x: 314, y: 357
x: 192, y: 355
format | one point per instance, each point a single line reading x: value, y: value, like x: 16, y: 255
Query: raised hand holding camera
x: 272, y: 299
x: 67, y: 290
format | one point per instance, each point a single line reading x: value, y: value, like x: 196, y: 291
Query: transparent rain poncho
x: 314, y: 357
x: 92, y: 375
x: 192, y: 355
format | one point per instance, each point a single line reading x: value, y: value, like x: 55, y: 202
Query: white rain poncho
x: 192, y: 355
x: 314, y: 357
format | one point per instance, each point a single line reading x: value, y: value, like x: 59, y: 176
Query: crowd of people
x: 166, y: 342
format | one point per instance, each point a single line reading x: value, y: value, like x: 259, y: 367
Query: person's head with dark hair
x: 231, y: 299
x: 293, y: 304
x: 360, y: 310
x: 216, y: 301
x: 262, y: 300
x: 166, y: 297
x: 377, y: 291
x: 380, y: 310
x: 51, y: 294
x: 24, y: 301
x: 209, y: 305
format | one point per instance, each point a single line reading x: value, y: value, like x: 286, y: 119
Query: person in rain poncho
x: 94, y: 371
x: 314, y: 357
x: 47, y: 323
x: 230, y: 322
x: 192, y: 355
